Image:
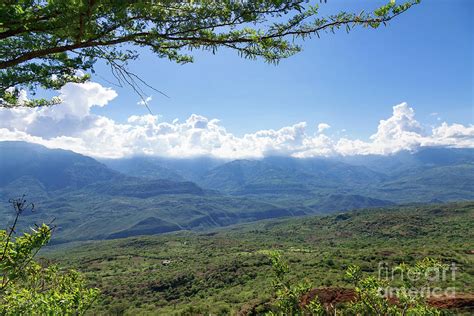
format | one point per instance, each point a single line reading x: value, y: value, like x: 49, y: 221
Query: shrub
x: 26, y: 287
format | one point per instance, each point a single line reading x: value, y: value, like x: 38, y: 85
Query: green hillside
x: 86, y: 215
x: 227, y: 271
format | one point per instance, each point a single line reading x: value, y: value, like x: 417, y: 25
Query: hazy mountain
x: 341, y: 202
x: 441, y: 183
x: 24, y: 185
x: 254, y: 176
x: 88, y: 200
x: 144, y: 188
x: 328, y: 169
x: 190, y: 169
x: 278, y: 175
x: 423, y: 158
x: 429, y: 174
x: 53, y: 168
x: 424, y: 175
x: 39, y: 170
x: 146, y: 167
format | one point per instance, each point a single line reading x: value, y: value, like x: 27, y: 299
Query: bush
x: 27, y: 288
x: 369, y: 300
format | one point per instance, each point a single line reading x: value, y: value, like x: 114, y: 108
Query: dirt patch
x: 460, y: 301
x: 330, y: 297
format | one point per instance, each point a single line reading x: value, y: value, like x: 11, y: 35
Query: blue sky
x: 401, y: 87
x: 349, y: 81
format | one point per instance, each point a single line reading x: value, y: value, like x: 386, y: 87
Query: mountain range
x: 101, y: 199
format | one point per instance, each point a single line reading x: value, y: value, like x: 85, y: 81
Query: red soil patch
x: 460, y: 301
x: 329, y: 297
x: 332, y: 296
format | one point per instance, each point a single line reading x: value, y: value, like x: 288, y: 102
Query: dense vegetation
x: 367, y: 297
x: 29, y: 288
x: 229, y: 270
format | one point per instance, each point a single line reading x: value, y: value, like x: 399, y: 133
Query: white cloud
x: 322, y: 127
x: 72, y: 126
x: 400, y: 131
x: 455, y: 135
x: 144, y: 101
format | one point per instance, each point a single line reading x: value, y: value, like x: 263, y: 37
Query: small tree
x: 371, y: 299
x: 27, y: 288
x: 369, y: 296
x: 288, y: 295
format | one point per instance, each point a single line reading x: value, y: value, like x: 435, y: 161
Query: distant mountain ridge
x: 443, y: 174
x: 144, y: 195
x: 54, y: 168
x: 282, y: 173
x: 421, y: 159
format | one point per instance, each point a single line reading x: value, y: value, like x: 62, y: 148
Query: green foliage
x: 27, y: 288
x: 18, y: 253
x: 288, y: 295
x: 47, y: 291
x: 371, y: 299
x: 207, y: 272
x: 44, y: 43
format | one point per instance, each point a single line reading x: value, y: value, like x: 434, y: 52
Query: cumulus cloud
x: 400, y: 131
x: 72, y: 126
x: 455, y: 135
x: 322, y: 127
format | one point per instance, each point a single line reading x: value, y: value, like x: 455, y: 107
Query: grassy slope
x: 227, y: 270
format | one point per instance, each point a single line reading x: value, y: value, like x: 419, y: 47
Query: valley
x: 241, y: 158
x: 90, y: 200
x: 227, y: 271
